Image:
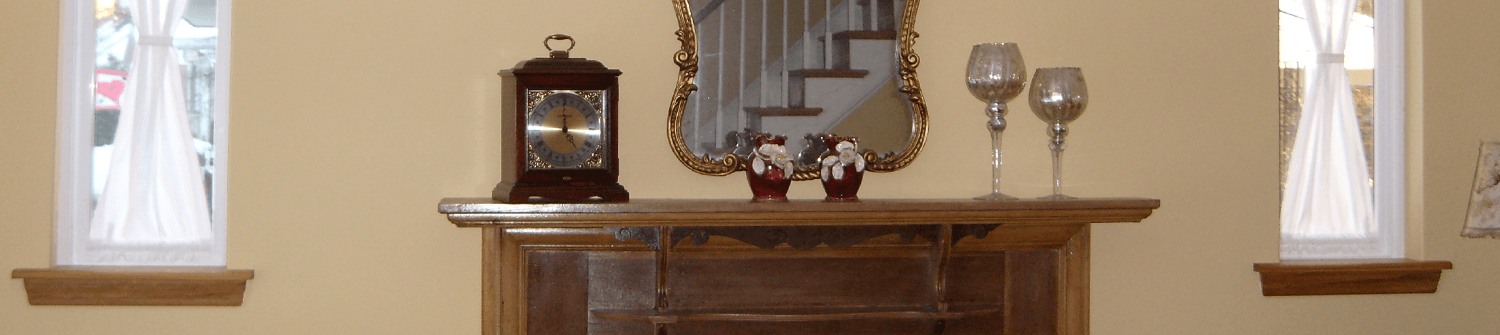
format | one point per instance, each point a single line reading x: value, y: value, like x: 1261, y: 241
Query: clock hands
x: 566, y: 132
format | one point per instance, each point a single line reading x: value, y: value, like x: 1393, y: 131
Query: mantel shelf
x: 484, y: 212
x: 791, y: 314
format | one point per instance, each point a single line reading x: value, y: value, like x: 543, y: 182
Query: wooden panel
x: 621, y: 280
x: 977, y: 279
x: 608, y: 265
x: 1031, y: 292
x: 134, y: 286
x: 557, y: 286
x: 1340, y: 277
x: 785, y: 280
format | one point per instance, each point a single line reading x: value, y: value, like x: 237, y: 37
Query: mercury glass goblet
x: 996, y: 74
x: 1058, y: 96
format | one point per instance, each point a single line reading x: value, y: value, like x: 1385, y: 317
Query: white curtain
x: 154, y: 195
x: 1328, y: 193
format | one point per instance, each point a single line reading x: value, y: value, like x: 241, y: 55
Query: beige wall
x: 352, y: 118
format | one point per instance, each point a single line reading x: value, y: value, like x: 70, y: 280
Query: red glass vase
x: 769, y: 168
x: 843, y: 168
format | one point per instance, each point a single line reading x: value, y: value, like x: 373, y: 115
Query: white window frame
x: 1389, y: 195
x: 75, y: 130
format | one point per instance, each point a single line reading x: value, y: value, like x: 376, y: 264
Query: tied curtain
x: 154, y: 194
x: 1328, y: 192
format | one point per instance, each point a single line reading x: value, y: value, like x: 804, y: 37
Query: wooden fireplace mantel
x: 664, y: 266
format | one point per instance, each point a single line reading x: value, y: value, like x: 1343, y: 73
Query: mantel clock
x: 559, y: 121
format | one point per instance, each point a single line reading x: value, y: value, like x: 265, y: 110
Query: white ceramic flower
x: 828, y: 171
x: 773, y: 154
x: 833, y: 166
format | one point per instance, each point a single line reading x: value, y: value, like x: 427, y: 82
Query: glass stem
x: 1057, y: 170
x: 996, y: 125
x: 996, y: 158
x: 1059, y: 132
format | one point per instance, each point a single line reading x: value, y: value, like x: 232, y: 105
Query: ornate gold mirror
x: 796, y: 68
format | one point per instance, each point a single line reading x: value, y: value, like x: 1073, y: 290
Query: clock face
x: 564, y: 129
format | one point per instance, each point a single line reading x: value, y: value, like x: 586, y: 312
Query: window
x: 1343, y: 146
x: 142, y: 107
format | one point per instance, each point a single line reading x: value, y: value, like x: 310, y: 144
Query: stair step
x: 784, y: 111
x: 797, y: 86
x: 828, y: 73
x: 840, y: 46
x: 865, y: 35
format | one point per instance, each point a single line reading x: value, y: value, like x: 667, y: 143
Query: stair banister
x: 709, y: 8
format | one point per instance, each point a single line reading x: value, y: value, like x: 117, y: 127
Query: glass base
x: 997, y: 196
x: 1058, y: 196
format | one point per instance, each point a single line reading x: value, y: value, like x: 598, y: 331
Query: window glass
x: 1297, y: 52
x: 196, y: 41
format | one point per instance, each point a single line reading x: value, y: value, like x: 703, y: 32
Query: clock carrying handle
x: 559, y: 37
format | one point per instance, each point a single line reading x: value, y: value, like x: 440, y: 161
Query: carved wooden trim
x: 799, y: 237
x: 1345, y: 277
x: 118, y: 286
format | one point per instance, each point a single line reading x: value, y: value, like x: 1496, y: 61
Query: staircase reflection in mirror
x: 799, y: 68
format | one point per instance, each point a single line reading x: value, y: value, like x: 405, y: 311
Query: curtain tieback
x: 161, y: 40
x: 1325, y: 58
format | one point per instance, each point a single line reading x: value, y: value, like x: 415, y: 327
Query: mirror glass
x: 797, y: 68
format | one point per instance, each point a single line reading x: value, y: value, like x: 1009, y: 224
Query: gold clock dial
x: 564, y: 130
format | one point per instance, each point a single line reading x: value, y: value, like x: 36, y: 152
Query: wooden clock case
x: 520, y: 181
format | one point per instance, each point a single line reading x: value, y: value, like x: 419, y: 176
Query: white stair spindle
x: 827, y: 34
x: 786, y: 52
x: 896, y: 14
x: 849, y: 12
x: 807, y: 34
x: 719, y: 82
x: 697, y: 108
x: 740, y: 80
x: 764, y: 69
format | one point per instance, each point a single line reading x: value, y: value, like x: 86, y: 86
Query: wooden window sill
x: 127, y: 286
x: 1354, y: 276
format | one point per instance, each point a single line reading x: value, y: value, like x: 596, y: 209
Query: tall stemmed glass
x: 996, y: 75
x: 1058, y: 96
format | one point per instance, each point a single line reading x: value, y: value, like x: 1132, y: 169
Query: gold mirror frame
x: 687, y: 64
